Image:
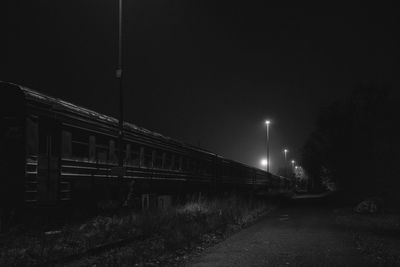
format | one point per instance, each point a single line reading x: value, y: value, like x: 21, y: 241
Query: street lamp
x: 285, y: 151
x: 293, y: 162
x: 267, y: 122
x: 264, y: 163
x: 118, y: 74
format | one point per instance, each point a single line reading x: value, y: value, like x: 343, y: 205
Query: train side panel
x: 66, y: 155
x: 12, y: 150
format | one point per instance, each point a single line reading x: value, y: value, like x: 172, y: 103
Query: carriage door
x: 48, y: 161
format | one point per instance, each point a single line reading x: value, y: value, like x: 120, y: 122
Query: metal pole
x: 286, y: 165
x: 121, y: 96
x: 268, y: 160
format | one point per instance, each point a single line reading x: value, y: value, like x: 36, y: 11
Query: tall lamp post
x: 293, y: 172
x: 285, y: 151
x: 121, y: 96
x: 267, y: 122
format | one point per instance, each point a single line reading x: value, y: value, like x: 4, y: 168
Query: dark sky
x: 204, y: 72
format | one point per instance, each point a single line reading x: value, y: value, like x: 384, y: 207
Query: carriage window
x: 102, y: 153
x: 209, y: 168
x: 186, y: 164
x: 135, y: 155
x: 225, y: 171
x: 172, y: 162
x: 193, y: 165
x: 92, y: 148
x: 175, y: 162
x: 158, y: 162
x: 164, y: 158
x: 181, y: 163
x: 153, y: 158
x: 147, y: 157
x: 128, y: 154
x: 200, y: 167
x: 205, y: 167
x: 76, y: 144
x: 112, y: 156
x: 168, y: 161
x: 141, y: 157
x: 32, y: 137
x: 101, y: 149
x: 66, y: 144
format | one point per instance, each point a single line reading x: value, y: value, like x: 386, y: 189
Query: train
x: 57, y: 154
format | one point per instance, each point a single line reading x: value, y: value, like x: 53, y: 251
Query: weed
x: 156, y: 232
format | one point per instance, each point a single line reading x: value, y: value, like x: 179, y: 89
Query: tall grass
x: 168, y: 230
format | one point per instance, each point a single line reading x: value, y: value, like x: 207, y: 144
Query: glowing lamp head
x: 285, y: 150
x: 267, y: 122
x: 264, y: 162
x: 293, y: 161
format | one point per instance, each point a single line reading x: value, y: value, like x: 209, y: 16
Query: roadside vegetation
x: 376, y: 235
x: 151, y: 236
x: 354, y: 144
x: 354, y: 147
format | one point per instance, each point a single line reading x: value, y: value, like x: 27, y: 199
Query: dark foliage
x: 285, y: 172
x: 355, y: 143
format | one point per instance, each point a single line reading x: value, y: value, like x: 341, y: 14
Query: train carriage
x: 56, y: 153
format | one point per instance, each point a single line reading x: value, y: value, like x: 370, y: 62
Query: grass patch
x: 377, y: 223
x: 154, y: 234
x: 376, y: 235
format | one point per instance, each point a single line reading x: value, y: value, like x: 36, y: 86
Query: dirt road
x: 299, y: 234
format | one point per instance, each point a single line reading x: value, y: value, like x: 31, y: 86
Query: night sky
x: 203, y: 72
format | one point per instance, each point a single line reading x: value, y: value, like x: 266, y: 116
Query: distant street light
x: 264, y: 163
x: 293, y: 162
x: 285, y: 151
x: 267, y: 122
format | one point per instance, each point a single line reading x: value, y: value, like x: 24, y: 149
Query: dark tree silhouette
x: 355, y: 141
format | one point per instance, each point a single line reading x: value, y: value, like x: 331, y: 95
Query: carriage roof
x: 66, y: 106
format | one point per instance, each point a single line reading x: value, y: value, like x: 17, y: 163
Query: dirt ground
x: 301, y: 233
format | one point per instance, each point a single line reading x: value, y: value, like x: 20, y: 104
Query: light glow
x: 264, y: 162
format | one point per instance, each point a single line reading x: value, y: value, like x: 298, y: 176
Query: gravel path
x: 300, y: 234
